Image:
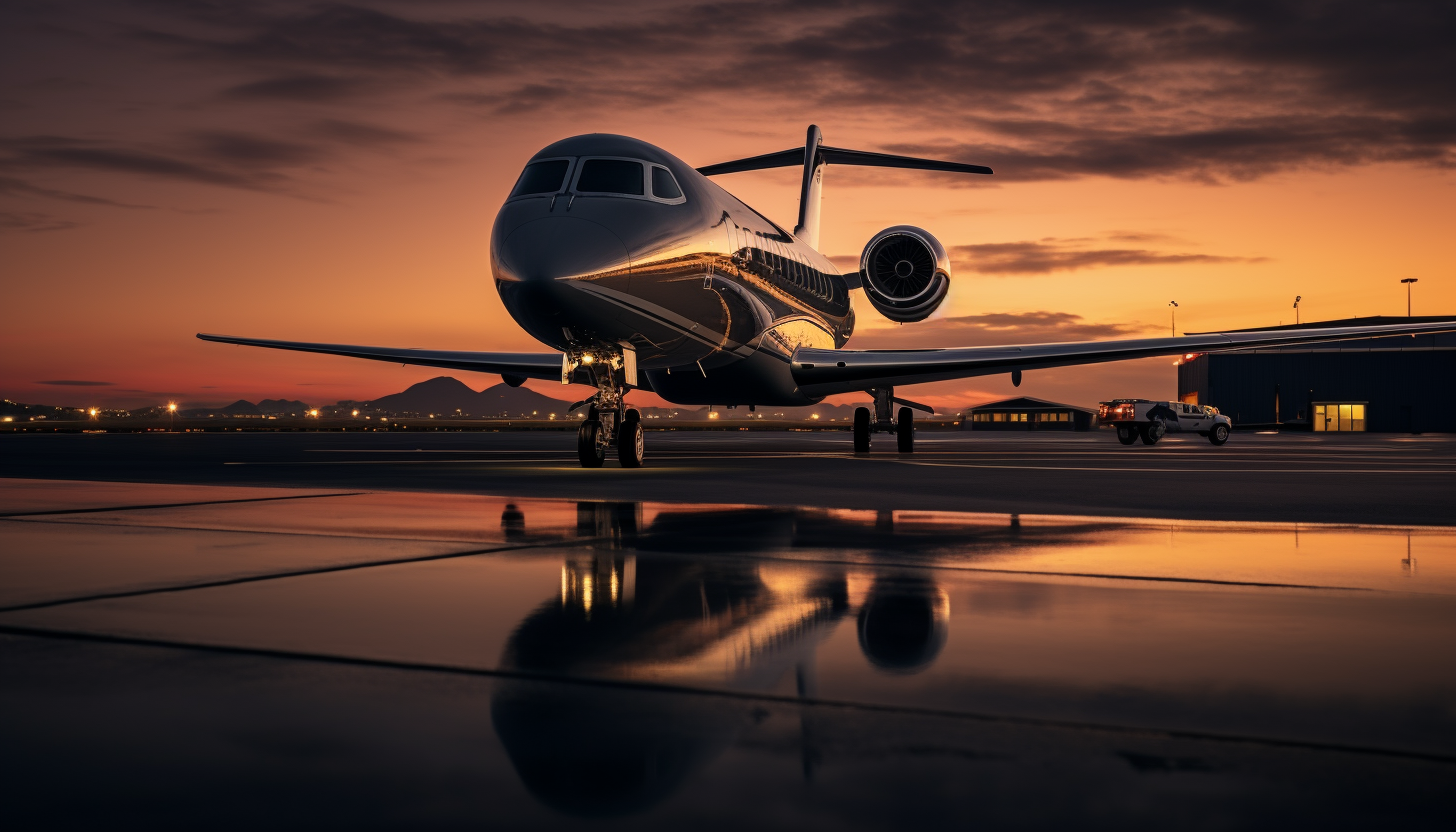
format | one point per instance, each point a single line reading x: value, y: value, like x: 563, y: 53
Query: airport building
x: 1026, y: 413
x: 1395, y: 384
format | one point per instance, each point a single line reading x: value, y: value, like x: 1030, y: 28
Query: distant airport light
x: 171, y: 407
x: 92, y: 411
x: 813, y: 415
x: 713, y: 415
x: 356, y: 413
x: 313, y: 413
x: 1408, y: 281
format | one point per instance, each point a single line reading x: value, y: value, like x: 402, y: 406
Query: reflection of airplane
x: 643, y: 273
x: 625, y: 614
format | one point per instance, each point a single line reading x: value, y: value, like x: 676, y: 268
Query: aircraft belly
x: 760, y: 379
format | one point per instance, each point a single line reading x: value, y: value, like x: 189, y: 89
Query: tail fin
x: 811, y: 188
x: 814, y: 155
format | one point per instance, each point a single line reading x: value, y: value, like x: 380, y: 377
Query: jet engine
x: 905, y: 273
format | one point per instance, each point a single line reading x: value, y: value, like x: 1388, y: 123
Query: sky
x: 330, y: 172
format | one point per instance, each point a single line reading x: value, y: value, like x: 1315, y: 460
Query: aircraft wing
x: 825, y: 372
x: 515, y: 366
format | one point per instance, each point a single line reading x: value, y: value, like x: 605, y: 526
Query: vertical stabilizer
x: 812, y: 188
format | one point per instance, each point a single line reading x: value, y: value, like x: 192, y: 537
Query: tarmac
x: 1304, y: 477
x: 344, y: 631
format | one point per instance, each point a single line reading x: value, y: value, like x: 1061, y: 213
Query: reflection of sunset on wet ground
x: 675, y: 649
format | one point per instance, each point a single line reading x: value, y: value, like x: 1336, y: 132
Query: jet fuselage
x: 712, y: 296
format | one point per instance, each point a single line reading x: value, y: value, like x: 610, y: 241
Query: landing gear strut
x: 902, y: 425
x: 608, y: 421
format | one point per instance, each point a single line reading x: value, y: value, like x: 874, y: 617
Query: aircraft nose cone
x: 560, y: 248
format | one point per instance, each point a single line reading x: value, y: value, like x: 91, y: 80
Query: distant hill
x: 445, y: 396
x: 282, y: 407
x: 239, y: 408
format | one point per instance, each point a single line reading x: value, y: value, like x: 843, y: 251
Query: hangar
x: 1394, y: 384
x: 1026, y: 413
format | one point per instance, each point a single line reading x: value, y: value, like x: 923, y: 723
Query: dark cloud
x: 356, y: 133
x: 228, y: 158
x: 67, y: 382
x: 49, y: 152
x: 11, y: 185
x: 32, y: 221
x: 1054, y: 255
x: 309, y: 88
x: 1052, y: 90
x: 250, y: 151
x: 993, y: 329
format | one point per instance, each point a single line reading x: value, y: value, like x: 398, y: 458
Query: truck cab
x: 1149, y: 421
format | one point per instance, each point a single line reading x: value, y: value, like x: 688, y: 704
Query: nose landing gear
x: 903, y: 425
x: 608, y: 421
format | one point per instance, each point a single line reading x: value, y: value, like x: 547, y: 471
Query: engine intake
x: 905, y: 273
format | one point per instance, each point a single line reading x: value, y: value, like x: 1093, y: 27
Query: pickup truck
x: 1147, y: 420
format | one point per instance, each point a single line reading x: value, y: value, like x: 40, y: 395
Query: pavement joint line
x: 1300, y: 471
x: 953, y: 567
x: 236, y: 530
x: 54, y: 512
x: 273, y: 576
x: 742, y: 696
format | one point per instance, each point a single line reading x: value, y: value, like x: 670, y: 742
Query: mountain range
x: 448, y: 397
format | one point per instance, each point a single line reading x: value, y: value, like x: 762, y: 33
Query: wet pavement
x: 1326, y: 478
x: 236, y: 657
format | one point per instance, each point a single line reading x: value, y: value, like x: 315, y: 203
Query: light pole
x: 1173, y: 319
x: 1408, y: 281
x: 1297, y: 299
x: 172, y: 416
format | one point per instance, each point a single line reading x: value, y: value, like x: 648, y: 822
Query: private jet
x: 639, y: 272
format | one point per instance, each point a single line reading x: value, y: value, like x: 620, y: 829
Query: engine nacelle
x: 905, y: 273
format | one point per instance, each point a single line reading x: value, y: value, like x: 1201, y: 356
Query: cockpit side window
x: 544, y: 177
x: 663, y: 185
x: 611, y: 176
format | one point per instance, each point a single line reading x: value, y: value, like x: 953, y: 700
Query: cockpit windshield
x: 542, y: 178
x: 611, y: 176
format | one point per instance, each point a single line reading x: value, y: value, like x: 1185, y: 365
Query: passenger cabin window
x: 610, y: 176
x: 542, y: 178
x: 663, y: 185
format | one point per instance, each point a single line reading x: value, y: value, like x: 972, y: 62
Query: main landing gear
x: 903, y: 425
x: 609, y: 421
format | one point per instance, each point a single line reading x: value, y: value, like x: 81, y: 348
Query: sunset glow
x: 330, y: 173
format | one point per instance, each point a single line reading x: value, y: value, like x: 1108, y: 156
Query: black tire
x: 1151, y: 433
x: 905, y: 431
x: 1219, y: 434
x: 589, y: 451
x: 631, y: 449
x: 861, y: 430
x: 1127, y: 434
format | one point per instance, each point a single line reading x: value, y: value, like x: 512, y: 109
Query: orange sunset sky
x: 330, y: 172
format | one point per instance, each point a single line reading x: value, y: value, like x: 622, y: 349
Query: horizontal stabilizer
x: 838, y: 156
x: 545, y: 365
x: 820, y: 372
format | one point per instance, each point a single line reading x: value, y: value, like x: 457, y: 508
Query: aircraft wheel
x: 1151, y: 433
x: 1219, y: 434
x: 905, y: 431
x: 631, y: 447
x: 589, y: 451
x: 861, y: 429
x: 1127, y: 434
